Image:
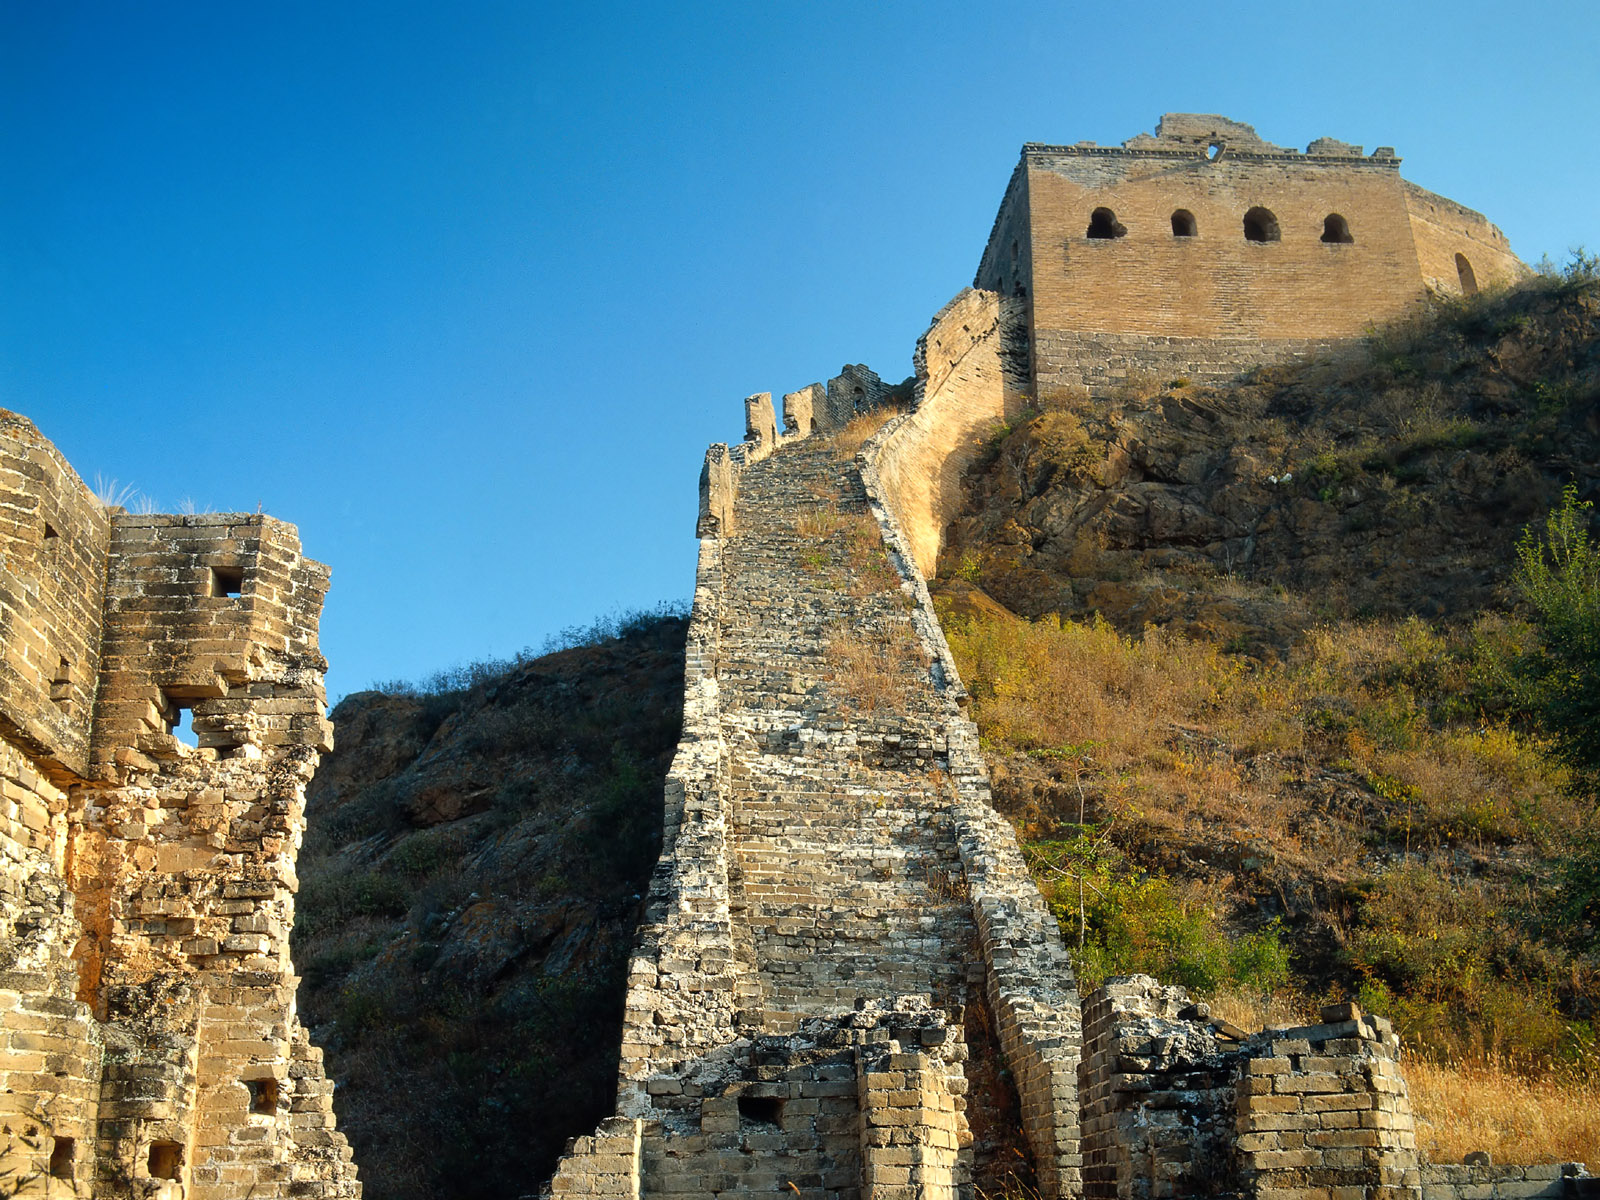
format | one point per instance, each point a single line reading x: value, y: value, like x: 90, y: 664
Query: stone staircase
x: 844, y: 858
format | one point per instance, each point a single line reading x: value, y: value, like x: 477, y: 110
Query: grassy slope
x: 1291, y: 752
x: 469, y: 889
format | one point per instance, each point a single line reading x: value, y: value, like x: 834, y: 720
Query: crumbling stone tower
x: 148, y: 1040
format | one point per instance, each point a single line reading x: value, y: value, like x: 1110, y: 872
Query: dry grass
x: 1460, y: 1109
x: 819, y: 524
x: 849, y: 439
x: 875, y: 670
x: 1253, y: 1012
x: 1366, y: 771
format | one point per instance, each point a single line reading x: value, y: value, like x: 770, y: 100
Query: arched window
x: 1183, y: 224
x: 1469, y: 281
x: 1103, y: 223
x: 1336, y: 229
x: 1260, y: 225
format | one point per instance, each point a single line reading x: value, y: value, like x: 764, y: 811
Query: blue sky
x: 465, y: 290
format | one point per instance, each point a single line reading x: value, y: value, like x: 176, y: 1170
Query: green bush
x: 1146, y: 924
x: 1558, y: 575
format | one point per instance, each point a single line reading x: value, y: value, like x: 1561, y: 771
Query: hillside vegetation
x: 1278, y: 706
x: 470, y: 882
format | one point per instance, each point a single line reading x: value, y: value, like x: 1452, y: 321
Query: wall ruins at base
x: 148, y: 1040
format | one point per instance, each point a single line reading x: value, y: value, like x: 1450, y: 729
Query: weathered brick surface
x: 148, y: 1042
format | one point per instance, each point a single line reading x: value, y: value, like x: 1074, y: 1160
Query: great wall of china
x: 840, y: 931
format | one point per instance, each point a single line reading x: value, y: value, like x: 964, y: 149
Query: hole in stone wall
x: 1260, y: 225
x: 1183, y: 224
x: 227, y: 581
x: 1214, y: 151
x: 62, y: 1150
x: 1335, y: 229
x: 761, y: 1110
x: 1469, y: 280
x: 50, y: 531
x: 61, y: 685
x: 1103, y: 223
x: 263, y: 1095
x: 178, y: 713
x: 165, y: 1159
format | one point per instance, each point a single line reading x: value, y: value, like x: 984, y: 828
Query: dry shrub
x: 1050, y: 684
x: 1254, y: 1011
x: 1460, y: 1109
x: 819, y: 524
x: 866, y: 558
x: 1058, y: 396
x: 875, y: 670
x: 854, y: 434
x: 1137, y: 386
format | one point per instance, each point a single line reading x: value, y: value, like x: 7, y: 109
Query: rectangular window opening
x: 165, y: 1160
x: 227, y: 582
x: 263, y: 1095
x: 61, y: 1155
x: 760, y: 1110
x: 61, y: 686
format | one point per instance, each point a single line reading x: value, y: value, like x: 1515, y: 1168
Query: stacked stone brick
x: 148, y: 1039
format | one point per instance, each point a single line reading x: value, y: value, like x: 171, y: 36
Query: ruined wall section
x: 54, y: 539
x: 184, y: 862
x: 1176, y: 1104
x: 1444, y: 230
x: 148, y: 1040
x: 683, y: 975
x: 50, y: 1045
x: 216, y: 614
x: 971, y: 375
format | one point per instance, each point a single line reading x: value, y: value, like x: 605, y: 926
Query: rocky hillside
x: 1394, y: 482
x: 1258, y: 690
x: 470, y: 882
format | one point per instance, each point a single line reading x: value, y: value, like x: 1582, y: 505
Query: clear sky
x: 465, y: 289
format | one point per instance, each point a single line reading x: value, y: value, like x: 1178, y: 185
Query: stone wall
x: 1176, y: 1104
x: 148, y: 1038
x: 54, y: 538
x: 1102, y: 363
x: 827, y: 869
x: 1485, y: 1181
x: 971, y: 374
x: 1443, y: 230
